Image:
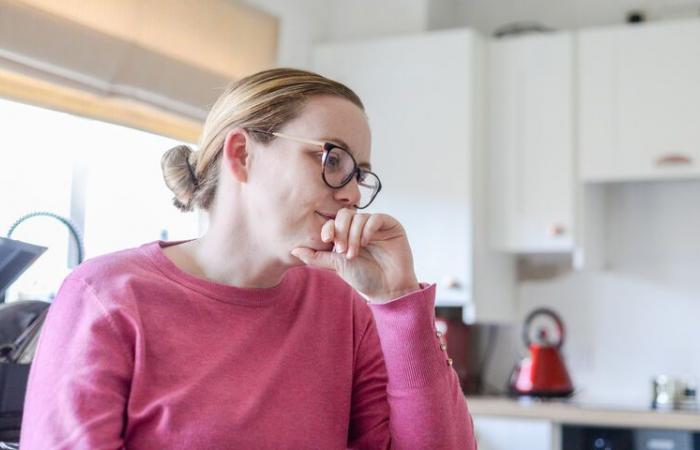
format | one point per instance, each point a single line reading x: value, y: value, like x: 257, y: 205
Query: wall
x: 304, y: 23
x: 301, y: 22
x: 359, y: 19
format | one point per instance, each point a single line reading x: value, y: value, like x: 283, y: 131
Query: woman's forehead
x: 336, y: 120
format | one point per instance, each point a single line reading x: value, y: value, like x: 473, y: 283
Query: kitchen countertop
x: 571, y: 412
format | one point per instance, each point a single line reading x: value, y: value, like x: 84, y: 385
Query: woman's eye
x: 332, y: 161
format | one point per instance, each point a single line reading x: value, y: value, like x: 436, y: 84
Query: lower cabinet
x: 497, y: 433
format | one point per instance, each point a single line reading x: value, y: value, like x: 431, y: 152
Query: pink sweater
x: 137, y: 354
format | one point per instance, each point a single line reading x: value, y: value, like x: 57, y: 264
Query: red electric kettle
x: 542, y: 374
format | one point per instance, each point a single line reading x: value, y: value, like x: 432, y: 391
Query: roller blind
x: 174, y: 55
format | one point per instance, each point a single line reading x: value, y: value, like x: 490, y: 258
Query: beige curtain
x: 155, y: 56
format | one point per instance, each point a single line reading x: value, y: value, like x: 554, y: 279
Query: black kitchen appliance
x: 614, y: 438
x: 19, y: 326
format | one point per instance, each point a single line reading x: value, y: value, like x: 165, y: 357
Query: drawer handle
x: 674, y: 159
x: 451, y: 282
x: 556, y: 229
x: 660, y: 444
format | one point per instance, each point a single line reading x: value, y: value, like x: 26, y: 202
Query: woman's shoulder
x: 101, y: 289
x: 115, y: 270
x: 122, y: 261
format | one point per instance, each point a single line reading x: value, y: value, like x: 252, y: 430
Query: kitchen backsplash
x: 639, y: 316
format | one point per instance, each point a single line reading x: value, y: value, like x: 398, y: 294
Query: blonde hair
x: 266, y: 101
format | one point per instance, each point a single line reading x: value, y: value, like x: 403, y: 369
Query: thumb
x: 325, y: 260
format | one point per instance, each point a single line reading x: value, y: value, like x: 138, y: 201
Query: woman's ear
x: 236, y: 155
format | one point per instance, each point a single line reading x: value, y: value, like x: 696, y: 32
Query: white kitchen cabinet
x: 640, y: 101
x: 422, y: 97
x: 530, y: 141
x: 498, y: 433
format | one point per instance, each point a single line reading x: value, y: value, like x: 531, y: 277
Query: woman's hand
x: 371, y: 253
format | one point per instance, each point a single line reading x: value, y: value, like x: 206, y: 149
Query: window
x: 104, y: 177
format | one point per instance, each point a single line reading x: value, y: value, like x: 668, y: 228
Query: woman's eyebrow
x: 340, y: 142
x: 337, y: 141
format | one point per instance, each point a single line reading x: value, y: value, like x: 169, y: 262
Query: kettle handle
x: 542, y: 312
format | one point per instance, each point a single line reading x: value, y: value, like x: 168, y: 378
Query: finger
x: 328, y: 231
x: 342, y: 226
x: 355, y: 234
x: 374, y: 224
x: 311, y: 257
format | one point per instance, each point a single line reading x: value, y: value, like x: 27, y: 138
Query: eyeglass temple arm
x: 296, y: 139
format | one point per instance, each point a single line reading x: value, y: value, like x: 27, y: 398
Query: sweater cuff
x: 410, y: 342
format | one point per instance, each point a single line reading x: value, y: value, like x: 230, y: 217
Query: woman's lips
x: 326, y: 216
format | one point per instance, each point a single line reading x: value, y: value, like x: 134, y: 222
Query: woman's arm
x: 79, y: 379
x: 426, y: 408
x: 412, y: 399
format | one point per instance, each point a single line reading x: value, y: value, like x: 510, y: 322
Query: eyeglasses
x: 338, y: 168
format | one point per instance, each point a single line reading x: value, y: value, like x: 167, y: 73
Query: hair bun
x: 179, y: 175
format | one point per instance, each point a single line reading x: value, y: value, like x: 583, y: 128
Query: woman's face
x: 286, y: 198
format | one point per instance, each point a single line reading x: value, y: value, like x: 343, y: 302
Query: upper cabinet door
x: 530, y: 143
x: 418, y: 93
x: 640, y: 102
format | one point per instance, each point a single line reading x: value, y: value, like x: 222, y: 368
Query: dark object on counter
x: 674, y: 393
x: 472, y: 348
x: 456, y: 338
x: 542, y: 373
x: 20, y: 323
x: 15, y: 318
x: 520, y: 28
x: 636, y: 16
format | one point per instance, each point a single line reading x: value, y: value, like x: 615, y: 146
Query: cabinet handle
x: 674, y: 159
x: 451, y: 282
x: 660, y: 444
x: 556, y: 229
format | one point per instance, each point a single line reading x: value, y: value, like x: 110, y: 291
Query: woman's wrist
x: 394, y: 293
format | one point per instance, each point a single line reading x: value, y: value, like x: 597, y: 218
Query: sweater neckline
x: 219, y: 291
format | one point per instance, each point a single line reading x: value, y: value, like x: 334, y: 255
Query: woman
x: 243, y: 338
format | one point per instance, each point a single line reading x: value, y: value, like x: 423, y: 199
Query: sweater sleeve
x: 80, y: 376
x: 426, y: 407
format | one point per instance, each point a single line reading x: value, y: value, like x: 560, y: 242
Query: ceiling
x: 489, y: 15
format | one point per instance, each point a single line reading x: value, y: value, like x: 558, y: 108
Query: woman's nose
x: 349, y: 194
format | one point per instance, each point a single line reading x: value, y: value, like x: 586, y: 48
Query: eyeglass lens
x: 339, y: 167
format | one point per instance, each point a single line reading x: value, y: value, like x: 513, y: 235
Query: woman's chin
x: 318, y: 245
x: 312, y: 244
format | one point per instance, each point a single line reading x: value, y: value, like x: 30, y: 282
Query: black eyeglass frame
x: 327, y: 148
